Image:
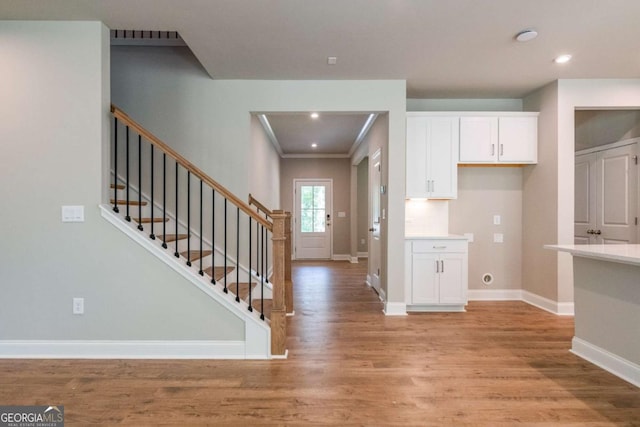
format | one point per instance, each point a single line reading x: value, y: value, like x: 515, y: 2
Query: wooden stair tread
x: 268, y: 303
x: 172, y: 237
x: 217, y: 273
x: 131, y: 202
x: 149, y: 220
x: 118, y: 187
x: 194, y: 255
x: 243, y: 289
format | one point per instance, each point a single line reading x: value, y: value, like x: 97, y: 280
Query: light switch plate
x: 73, y: 214
x: 78, y: 306
x: 498, y: 238
x: 497, y: 220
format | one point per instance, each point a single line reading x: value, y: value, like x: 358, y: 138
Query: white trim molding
x: 608, y: 361
x: 395, y: 309
x: 559, y: 308
x: 341, y: 257
x: 363, y: 254
x: 494, y: 294
x: 353, y: 260
x: 109, y: 349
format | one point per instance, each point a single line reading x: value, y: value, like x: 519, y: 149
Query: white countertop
x: 432, y: 237
x: 626, y: 254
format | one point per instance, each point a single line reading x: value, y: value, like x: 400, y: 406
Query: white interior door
x: 375, y: 246
x: 313, y: 208
x: 616, y: 201
x: 585, y: 199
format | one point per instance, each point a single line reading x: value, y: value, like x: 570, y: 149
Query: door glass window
x: 312, y: 209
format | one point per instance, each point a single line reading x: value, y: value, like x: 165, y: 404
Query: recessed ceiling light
x: 314, y: 115
x: 562, y: 59
x: 332, y: 60
x: 526, y: 35
x: 314, y: 145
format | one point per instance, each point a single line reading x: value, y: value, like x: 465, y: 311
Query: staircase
x: 238, y: 253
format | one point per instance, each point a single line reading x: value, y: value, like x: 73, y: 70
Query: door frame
x: 294, y: 215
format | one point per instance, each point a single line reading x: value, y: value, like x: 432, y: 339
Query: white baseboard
x: 610, y: 362
x: 395, y: 309
x: 494, y: 294
x: 92, y: 349
x: 368, y: 280
x: 341, y: 257
x: 559, y: 308
x: 363, y: 254
x: 353, y: 260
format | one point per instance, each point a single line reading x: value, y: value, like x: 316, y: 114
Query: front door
x: 374, y: 220
x: 313, y: 219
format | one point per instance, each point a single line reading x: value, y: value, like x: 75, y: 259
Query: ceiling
x: 335, y: 134
x: 442, y: 48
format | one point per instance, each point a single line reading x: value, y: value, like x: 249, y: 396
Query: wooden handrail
x: 253, y: 201
x: 122, y: 116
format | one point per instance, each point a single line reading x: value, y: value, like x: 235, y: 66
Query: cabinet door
x: 453, y: 279
x: 518, y: 139
x: 478, y: 139
x: 442, y: 157
x: 416, y: 172
x: 424, y: 278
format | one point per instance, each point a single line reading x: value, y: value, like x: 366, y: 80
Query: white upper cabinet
x: 432, y: 156
x: 499, y: 138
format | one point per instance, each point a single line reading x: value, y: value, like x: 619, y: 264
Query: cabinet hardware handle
x: 501, y: 149
x: 442, y: 268
x: 437, y: 267
x: 433, y: 186
x: 493, y: 149
x: 439, y: 247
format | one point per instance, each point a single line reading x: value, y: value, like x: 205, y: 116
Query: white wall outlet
x: 78, y: 306
x: 497, y: 220
x: 469, y: 237
x: 342, y: 214
x: 73, y: 214
x: 498, y: 238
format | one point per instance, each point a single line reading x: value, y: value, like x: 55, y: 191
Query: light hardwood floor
x: 499, y: 364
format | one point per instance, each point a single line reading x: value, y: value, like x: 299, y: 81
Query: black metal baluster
x: 127, y: 216
x: 266, y: 253
x: 213, y: 236
x: 262, y: 271
x: 237, y: 254
x: 140, y: 227
x: 201, y: 272
x: 176, y: 253
x: 225, y: 246
x: 188, y: 218
x: 115, y: 164
x: 250, y: 308
x: 164, y: 200
x: 152, y: 235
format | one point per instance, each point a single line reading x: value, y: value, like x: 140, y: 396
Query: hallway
x: 501, y: 363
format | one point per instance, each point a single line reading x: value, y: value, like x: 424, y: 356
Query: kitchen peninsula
x: 607, y: 306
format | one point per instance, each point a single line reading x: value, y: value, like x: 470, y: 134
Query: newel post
x: 288, y: 283
x: 278, y: 310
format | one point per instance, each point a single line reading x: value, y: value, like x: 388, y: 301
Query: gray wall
x: 336, y: 169
x: 55, y: 119
x: 362, y: 199
x: 483, y: 193
x: 264, y: 167
x: 600, y: 127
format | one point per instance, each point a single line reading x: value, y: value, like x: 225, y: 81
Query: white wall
x: 55, y: 122
x: 208, y: 121
x: 481, y: 104
x: 601, y: 127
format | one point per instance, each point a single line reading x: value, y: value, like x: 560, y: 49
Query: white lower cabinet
x: 436, y: 274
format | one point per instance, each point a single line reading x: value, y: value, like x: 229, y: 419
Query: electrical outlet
x: 498, y: 238
x: 497, y: 220
x: 78, y: 306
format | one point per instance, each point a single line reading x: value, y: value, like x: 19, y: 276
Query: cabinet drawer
x: 443, y: 245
